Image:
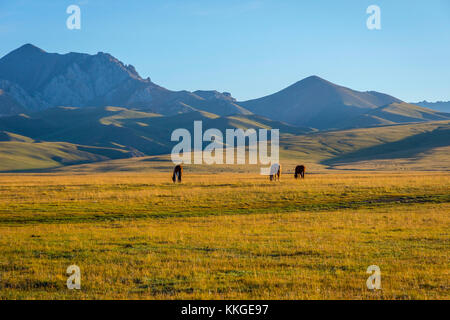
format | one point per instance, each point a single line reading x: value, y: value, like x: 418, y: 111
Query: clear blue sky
x: 251, y: 48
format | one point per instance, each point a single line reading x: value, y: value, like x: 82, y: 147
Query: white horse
x: 275, y: 171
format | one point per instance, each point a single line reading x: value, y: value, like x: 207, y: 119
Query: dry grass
x: 225, y: 236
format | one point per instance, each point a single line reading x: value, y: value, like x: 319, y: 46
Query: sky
x: 251, y: 48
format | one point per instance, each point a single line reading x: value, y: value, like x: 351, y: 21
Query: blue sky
x: 251, y: 48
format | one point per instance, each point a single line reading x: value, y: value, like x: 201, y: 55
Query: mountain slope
x: 135, y: 132
x: 38, y: 80
x: 442, y: 106
x: 8, y: 105
x: 418, y: 146
x: 328, y: 147
x: 315, y: 102
x: 16, y: 155
x: 392, y: 114
x: 406, y: 147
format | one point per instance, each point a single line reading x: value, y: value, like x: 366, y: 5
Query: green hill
x: 23, y: 156
x: 112, y: 132
x: 420, y: 146
x: 407, y: 147
x: 111, y: 127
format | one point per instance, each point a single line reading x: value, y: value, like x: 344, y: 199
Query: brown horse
x: 177, y: 173
x: 275, y: 172
x: 299, y: 170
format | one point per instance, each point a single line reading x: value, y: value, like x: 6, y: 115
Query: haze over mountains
x: 60, y: 109
x: 443, y: 106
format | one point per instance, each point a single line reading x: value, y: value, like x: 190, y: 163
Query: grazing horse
x: 275, y: 172
x: 299, y: 170
x: 177, y: 173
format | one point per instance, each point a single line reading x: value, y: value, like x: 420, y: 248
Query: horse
x: 275, y: 171
x: 177, y: 173
x: 299, y: 170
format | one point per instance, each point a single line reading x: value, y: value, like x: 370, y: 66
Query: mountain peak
x: 314, y: 78
x: 316, y: 102
x: 29, y: 48
x: 311, y: 81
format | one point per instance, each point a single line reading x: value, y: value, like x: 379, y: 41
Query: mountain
x: 315, y: 102
x: 443, y: 106
x: 8, y: 105
x: 37, y: 80
x: 32, y: 79
x: 65, y: 109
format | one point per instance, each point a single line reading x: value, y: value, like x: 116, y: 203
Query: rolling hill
x: 32, y: 156
x: 134, y: 132
x: 328, y: 147
x: 118, y: 133
x: 406, y: 147
x: 419, y: 146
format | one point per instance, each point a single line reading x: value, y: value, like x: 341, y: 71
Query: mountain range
x: 61, y: 109
x: 36, y: 80
x: 443, y: 106
x: 33, y: 80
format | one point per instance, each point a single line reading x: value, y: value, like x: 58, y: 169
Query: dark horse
x: 177, y: 173
x: 299, y: 170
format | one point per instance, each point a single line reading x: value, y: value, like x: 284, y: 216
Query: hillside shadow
x: 405, y: 148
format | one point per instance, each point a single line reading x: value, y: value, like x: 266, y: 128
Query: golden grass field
x: 225, y: 236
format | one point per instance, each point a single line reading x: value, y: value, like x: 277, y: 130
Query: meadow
x: 136, y: 235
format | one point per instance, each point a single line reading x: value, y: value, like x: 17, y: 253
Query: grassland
x: 225, y: 236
